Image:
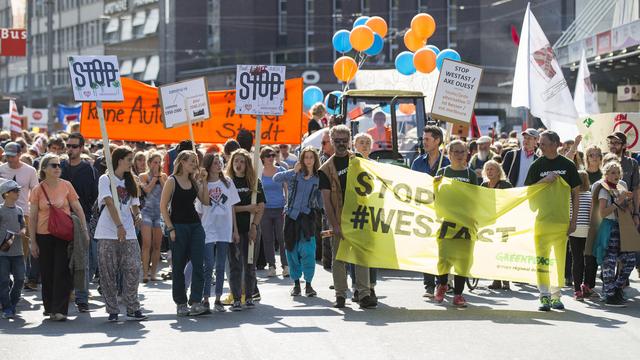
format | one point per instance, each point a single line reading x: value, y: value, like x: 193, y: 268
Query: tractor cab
x: 394, y: 119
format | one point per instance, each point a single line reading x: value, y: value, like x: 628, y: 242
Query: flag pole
x: 528, y: 60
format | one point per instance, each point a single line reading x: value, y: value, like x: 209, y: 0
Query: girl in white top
x: 219, y: 223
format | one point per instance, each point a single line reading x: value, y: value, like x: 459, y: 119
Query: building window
x: 151, y: 26
x: 127, y: 29
x: 282, y: 17
x: 311, y: 15
x: 138, y: 23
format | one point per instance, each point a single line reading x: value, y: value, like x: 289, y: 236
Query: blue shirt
x: 421, y: 164
x: 273, y: 191
x: 304, y: 194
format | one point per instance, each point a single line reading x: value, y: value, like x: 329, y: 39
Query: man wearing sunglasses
x: 84, y: 179
x: 27, y: 177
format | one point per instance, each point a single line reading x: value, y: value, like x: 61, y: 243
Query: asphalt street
x: 496, y: 324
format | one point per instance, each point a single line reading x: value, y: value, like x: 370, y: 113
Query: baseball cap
x: 8, y: 185
x: 531, y: 132
x: 12, y: 149
x: 616, y: 135
x: 483, y: 140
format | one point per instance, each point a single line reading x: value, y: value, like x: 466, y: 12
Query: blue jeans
x: 189, y: 245
x: 215, y: 254
x: 11, y: 265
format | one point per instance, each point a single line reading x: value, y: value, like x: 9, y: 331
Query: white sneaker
x: 285, y: 271
x: 271, y: 272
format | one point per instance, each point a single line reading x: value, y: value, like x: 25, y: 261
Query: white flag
x: 36, y: 117
x: 585, y: 97
x: 16, y: 119
x: 538, y: 83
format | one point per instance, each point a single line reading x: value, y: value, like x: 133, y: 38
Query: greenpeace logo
x: 342, y: 172
x: 559, y: 172
x: 463, y: 179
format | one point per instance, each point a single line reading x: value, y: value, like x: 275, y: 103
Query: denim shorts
x: 151, y: 217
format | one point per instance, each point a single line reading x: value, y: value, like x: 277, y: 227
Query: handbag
x: 60, y: 224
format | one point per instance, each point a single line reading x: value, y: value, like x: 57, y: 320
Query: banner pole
x: 186, y: 110
x: 107, y: 156
x: 254, y: 191
x: 444, y: 142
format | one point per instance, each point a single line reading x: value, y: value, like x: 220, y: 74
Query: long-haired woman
x: 177, y: 206
x: 118, y: 249
x: 242, y: 173
x: 152, y: 183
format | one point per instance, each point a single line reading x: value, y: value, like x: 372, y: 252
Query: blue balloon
x: 376, y: 47
x: 360, y: 21
x: 434, y: 48
x: 311, y: 95
x: 341, y: 41
x: 330, y: 110
x: 404, y: 63
x: 446, y: 54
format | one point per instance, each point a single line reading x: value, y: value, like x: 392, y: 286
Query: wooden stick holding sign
x: 260, y: 91
x: 97, y: 78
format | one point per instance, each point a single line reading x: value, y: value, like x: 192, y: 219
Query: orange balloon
x: 423, y: 25
x: 361, y: 37
x: 345, y: 68
x: 424, y: 60
x: 378, y: 25
x: 412, y: 42
x: 407, y: 109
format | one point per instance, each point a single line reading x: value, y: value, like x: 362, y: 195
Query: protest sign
x: 95, y: 78
x: 139, y: 118
x: 456, y: 92
x: 184, y: 101
x: 260, y: 89
x: 395, y: 218
x: 36, y: 117
x: 595, y: 129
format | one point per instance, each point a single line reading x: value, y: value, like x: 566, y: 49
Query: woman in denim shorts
x: 152, y: 183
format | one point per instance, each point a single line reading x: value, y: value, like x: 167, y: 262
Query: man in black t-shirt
x: 333, y: 181
x: 546, y: 169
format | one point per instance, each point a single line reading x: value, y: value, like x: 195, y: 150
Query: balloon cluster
x: 422, y: 57
x: 366, y: 38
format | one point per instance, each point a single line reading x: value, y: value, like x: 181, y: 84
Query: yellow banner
x: 395, y: 218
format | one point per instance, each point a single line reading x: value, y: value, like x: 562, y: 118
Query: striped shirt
x: 584, y: 214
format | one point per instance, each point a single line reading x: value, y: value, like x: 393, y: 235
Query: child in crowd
x: 12, y: 229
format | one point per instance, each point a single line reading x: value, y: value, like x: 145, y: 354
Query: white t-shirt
x: 217, y: 219
x: 26, y: 176
x: 604, y: 194
x: 106, y: 228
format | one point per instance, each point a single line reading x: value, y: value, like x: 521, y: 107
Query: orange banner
x: 139, y: 118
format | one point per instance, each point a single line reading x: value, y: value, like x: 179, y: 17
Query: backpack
x: 96, y: 211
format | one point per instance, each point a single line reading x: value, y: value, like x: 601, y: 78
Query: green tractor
x: 398, y: 139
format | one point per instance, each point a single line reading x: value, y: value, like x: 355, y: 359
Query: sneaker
x: 113, y: 318
x: 620, y: 294
x: 8, y: 313
x: 58, y: 317
x: 368, y: 302
x: 356, y: 297
x: 578, y: 295
x: 545, y: 304
x: 372, y: 293
x: 495, y: 285
x: 83, y: 307
x: 459, y: 301
x: 295, y: 291
x: 285, y: 271
x: 586, y: 291
x: 614, y: 301
x: 182, y: 310
x: 31, y: 285
x: 249, y: 304
x: 197, y: 309
x: 236, y: 306
x: 136, y: 316
x: 339, y: 303
x: 309, y: 291
x: 556, y: 304
x: 441, y: 290
x: 218, y: 307
x: 256, y: 297
x: 207, y: 306
x: 271, y: 272
x: 429, y: 291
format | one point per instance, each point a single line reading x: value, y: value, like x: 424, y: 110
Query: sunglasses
x: 340, y: 141
x: 54, y: 165
x: 272, y: 155
x: 73, y: 146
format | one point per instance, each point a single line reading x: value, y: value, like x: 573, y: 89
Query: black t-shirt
x: 243, y: 219
x: 594, y: 176
x: 84, y: 179
x: 341, y: 164
x: 562, y: 166
x: 467, y: 175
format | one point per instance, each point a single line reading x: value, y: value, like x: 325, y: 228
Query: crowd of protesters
x: 65, y: 224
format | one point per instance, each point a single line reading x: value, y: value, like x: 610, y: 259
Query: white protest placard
x: 95, y: 78
x: 596, y: 127
x: 184, y: 101
x: 260, y: 89
x: 36, y: 117
x: 456, y: 92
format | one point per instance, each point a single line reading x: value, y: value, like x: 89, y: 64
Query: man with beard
x: 484, y: 154
x: 617, y: 145
x: 516, y: 163
x: 333, y: 180
x: 323, y: 248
